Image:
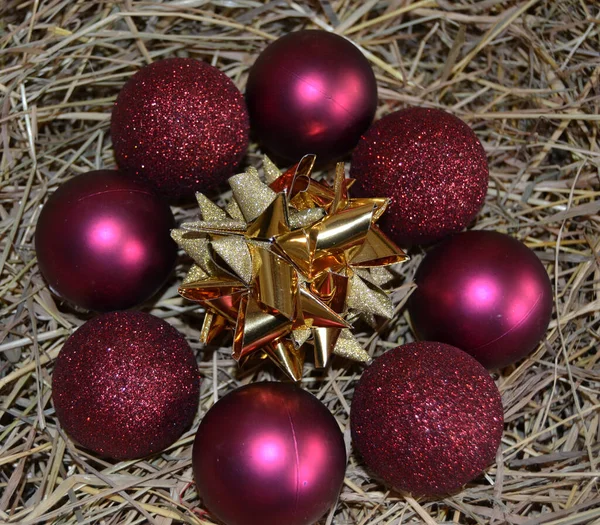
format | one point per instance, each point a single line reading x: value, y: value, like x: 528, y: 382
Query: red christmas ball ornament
x: 484, y: 292
x: 180, y: 125
x: 427, y: 418
x: 126, y: 385
x: 103, y: 241
x: 432, y: 167
x: 268, y: 454
x: 311, y: 92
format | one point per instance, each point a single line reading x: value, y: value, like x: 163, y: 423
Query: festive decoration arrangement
x: 269, y: 454
x: 126, y: 385
x: 311, y: 92
x: 288, y: 262
x: 484, y: 292
x: 427, y: 418
x: 180, y: 125
x: 432, y: 167
x: 102, y: 241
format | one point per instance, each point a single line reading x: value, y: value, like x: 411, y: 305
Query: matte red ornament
x: 180, y: 125
x: 484, y: 292
x: 426, y: 418
x: 103, y: 241
x: 432, y: 167
x: 126, y: 385
x: 311, y: 92
x: 269, y: 454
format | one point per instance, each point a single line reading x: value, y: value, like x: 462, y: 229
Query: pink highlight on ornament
x: 106, y: 234
x: 315, y: 129
x: 308, y: 472
x: 531, y: 297
x: 481, y: 293
x: 310, y: 89
x: 270, y: 453
x: 133, y: 252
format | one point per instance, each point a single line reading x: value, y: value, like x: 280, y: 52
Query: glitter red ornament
x: 484, y: 292
x: 311, y: 92
x: 427, y: 418
x: 431, y: 165
x: 103, y: 241
x: 126, y: 385
x: 269, y: 454
x: 180, y: 125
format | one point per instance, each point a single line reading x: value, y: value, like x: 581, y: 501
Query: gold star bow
x: 287, y: 263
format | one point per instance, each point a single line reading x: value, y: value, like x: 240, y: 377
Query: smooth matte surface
x: 103, y: 241
x: 311, y: 92
x: 484, y: 292
x: 269, y: 454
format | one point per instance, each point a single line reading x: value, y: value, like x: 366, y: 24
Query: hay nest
x: 524, y: 74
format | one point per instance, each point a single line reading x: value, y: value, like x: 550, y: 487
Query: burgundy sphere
x: 427, y: 418
x: 180, y: 125
x: 432, y: 167
x: 268, y: 454
x: 103, y: 241
x: 484, y: 292
x: 126, y: 385
x: 311, y: 92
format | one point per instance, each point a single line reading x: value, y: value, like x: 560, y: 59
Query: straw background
x: 523, y: 74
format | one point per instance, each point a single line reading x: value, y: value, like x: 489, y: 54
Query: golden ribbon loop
x: 285, y: 262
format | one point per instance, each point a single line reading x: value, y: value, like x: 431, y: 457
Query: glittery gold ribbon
x: 286, y: 263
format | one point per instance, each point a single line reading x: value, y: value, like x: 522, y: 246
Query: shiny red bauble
x: 426, y: 418
x: 311, y: 92
x: 484, y: 292
x: 126, y: 385
x: 103, y: 241
x: 269, y: 454
x: 432, y: 167
x: 180, y: 125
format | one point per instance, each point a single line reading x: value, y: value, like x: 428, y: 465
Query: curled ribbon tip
x: 286, y: 263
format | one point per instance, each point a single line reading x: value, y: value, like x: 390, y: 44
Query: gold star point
x: 283, y: 265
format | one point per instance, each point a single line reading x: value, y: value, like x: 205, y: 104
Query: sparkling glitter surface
x: 181, y: 125
x: 431, y: 165
x: 427, y: 418
x: 126, y: 385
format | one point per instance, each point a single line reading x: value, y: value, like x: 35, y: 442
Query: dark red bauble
x: 126, y: 385
x: 269, y: 454
x: 432, y: 167
x: 427, y: 418
x: 103, y: 241
x: 311, y: 92
x: 180, y: 125
x: 484, y: 292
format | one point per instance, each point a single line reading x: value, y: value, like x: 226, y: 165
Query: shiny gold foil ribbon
x: 286, y: 262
